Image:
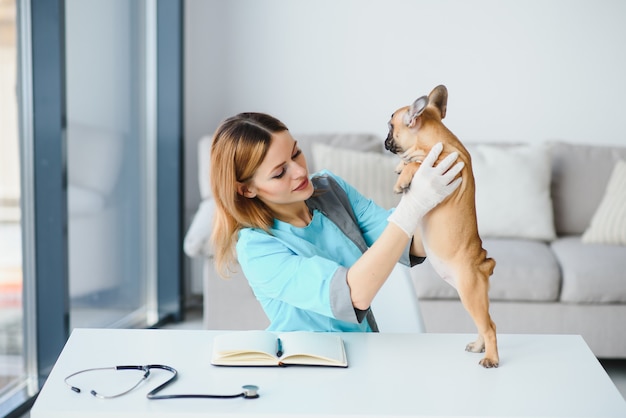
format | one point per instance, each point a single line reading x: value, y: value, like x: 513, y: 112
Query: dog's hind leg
x: 473, y: 290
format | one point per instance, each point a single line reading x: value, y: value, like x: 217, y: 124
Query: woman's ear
x: 245, y: 191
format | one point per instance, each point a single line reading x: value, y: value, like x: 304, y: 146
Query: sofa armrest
x: 198, y: 237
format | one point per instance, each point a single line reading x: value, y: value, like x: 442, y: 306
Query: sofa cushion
x: 580, y: 174
x: 356, y: 142
x: 204, y: 166
x: 513, y: 205
x: 371, y: 173
x: 525, y: 271
x: 592, y: 273
x: 513, y: 191
x: 198, y: 237
x: 608, y: 225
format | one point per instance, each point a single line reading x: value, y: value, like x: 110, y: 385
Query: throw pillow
x: 608, y: 224
x: 513, y: 191
x: 371, y: 173
x: 198, y: 237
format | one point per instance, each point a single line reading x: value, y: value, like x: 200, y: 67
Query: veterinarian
x: 282, y: 226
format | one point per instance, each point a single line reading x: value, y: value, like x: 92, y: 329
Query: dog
x: 449, y: 231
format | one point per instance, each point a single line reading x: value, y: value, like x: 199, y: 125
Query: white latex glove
x: 429, y: 187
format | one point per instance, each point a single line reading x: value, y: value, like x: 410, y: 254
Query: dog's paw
x: 399, y: 188
x: 475, y: 347
x: 488, y: 363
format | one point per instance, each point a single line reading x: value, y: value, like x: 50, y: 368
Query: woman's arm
x: 370, y: 271
x: 430, y: 186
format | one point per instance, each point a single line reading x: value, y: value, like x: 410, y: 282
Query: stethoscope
x: 249, y: 391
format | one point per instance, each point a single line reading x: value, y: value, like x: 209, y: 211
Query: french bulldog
x: 449, y: 231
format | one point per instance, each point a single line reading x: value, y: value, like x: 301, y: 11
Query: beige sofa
x: 547, y: 214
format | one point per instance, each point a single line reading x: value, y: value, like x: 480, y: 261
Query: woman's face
x: 283, y: 177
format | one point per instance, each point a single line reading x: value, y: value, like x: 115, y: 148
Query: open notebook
x: 265, y: 348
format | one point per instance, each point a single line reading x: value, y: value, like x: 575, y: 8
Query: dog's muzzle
x: 390, y: 144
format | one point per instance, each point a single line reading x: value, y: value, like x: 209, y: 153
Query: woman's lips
x: 302, y: 186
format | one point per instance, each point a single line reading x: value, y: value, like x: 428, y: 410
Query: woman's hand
x: 429, y: 187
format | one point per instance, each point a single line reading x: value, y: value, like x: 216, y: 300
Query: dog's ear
x: 415, y: 110
x: 439, y: 98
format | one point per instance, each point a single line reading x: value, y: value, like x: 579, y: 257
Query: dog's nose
x: 389, y: 144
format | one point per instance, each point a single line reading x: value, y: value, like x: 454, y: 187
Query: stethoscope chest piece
x: 250, y: 391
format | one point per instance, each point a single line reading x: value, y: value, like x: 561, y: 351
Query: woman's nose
x: 299, y: 169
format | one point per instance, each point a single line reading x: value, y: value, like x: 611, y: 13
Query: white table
x: 401, y: 375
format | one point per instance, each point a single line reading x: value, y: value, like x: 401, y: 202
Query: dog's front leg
x: 399, y: 167
x: 414, y: 155
x: 405, y: 177
x: 411, y: 161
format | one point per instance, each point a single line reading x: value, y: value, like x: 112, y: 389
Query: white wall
x: 515, y: 70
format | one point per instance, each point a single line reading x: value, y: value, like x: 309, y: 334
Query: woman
x: 307, y: 273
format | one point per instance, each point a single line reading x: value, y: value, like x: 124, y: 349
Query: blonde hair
x: 239, y: 146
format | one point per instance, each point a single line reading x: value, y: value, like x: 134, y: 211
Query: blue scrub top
x: 298, y: 274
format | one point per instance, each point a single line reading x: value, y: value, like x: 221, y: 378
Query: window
x: 90, y: 147
x: 110, y: 164
x: 11, y: 337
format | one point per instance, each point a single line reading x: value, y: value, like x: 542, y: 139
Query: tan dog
x: 450, y: 230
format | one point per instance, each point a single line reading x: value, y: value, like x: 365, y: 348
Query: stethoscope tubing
x: 249, y: 391
x: 146, y: 374
x: 153, y: 393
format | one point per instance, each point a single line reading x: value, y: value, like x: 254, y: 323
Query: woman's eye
x: 281, y: 174
x: 284, y: 169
